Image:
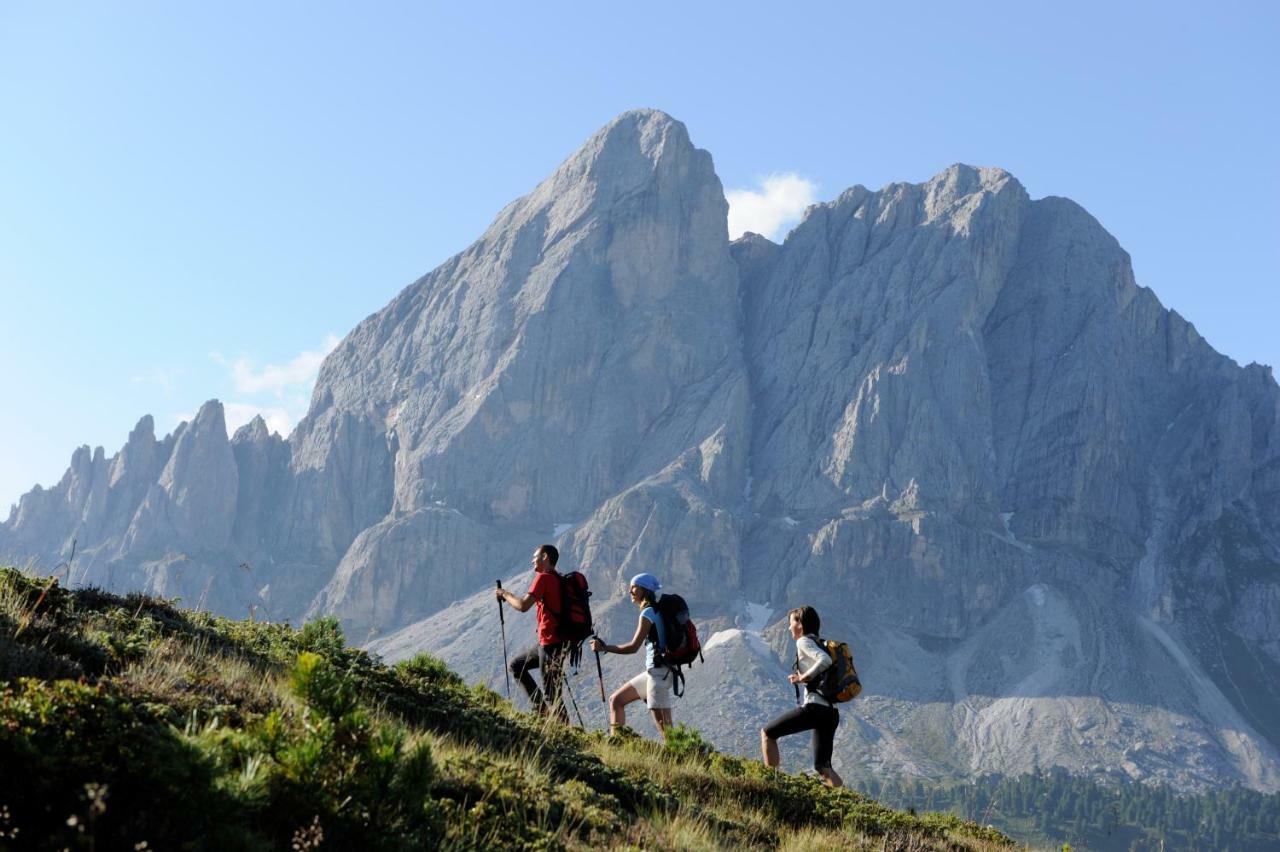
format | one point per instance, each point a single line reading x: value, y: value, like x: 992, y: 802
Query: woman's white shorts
x: 654, y: 687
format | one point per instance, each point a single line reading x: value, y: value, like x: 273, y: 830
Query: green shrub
x: 324, y: 689
x: 429, y: 670
x: 683, y: 741
x: 322, y: 636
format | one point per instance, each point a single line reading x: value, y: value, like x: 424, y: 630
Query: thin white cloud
x: 287, y: 387
x: 779, y: 203
x: 238, y: 414
x: 278, y: 379
x: 163, y: 377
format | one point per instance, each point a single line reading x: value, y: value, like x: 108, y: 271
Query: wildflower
x: 308, y: 837
x: 96, y: 795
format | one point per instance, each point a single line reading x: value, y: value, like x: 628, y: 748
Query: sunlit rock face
x: 1042, y: 510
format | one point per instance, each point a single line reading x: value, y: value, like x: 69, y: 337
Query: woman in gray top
x: 816, y: 713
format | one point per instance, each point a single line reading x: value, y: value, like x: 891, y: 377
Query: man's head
x: 545, y: 558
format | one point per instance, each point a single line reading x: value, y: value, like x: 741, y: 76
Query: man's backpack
x: 573, y: 619
x: 840, y: 681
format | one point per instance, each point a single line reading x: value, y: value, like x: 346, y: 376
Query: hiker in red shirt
x: 550, y: 651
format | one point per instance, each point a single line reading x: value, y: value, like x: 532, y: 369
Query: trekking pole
x: 502, y: 621
x: 574, y: 701
x: 599, y: 672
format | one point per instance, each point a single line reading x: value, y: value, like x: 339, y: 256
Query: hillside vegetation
x: 128, y: 723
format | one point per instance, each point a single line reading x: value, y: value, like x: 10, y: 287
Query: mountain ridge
x: 948, y: 402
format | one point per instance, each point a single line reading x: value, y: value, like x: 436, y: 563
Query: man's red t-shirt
x: 545, y: 588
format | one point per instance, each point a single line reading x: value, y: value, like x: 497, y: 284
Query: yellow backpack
x: 840, y: 681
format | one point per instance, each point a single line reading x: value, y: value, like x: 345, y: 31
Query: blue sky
x: 197, y: 200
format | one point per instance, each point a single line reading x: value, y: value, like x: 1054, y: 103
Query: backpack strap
x: 822, y: 685
x: 557, y: 614
x: 655, y: 633
x: 818, y: 684
x: 542, y: 599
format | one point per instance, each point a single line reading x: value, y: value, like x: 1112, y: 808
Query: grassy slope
x: 126, y: 723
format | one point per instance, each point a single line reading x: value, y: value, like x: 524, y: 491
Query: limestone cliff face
x: 588, y: 343
x: 1043, y: 510
x: 1050, y: 501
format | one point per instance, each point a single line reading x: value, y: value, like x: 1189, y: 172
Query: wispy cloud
x: 278, y: 379
x: 162, y: 377
x: 286, y: 388
x: 779, y: 202
x: 237, y: 414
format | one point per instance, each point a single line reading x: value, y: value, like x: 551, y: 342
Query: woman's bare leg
x: 769, y: 750
x: 662, y: 718
x: 618, y: 706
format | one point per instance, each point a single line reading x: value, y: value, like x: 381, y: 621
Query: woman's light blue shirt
x: 651, y: 647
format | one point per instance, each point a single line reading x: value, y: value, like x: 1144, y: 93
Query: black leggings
x: 815, y: 717
x: 549, y: 658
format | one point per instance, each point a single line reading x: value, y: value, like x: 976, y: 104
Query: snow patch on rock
x: 754, y: 641
x: 755, y: 616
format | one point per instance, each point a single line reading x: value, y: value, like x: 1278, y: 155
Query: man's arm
x: 518, y: 604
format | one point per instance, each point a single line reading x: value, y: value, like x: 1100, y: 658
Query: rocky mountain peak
x: 615, y: 252
x: 145, y: 430
x: 253, y: 432
x: 620, y: 158
x: 137, y: 457
x: 200, y: 479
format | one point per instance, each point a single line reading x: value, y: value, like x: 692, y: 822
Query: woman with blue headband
x: 653, y: 685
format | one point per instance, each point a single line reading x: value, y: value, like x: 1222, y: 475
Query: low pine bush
x: 685, y: 742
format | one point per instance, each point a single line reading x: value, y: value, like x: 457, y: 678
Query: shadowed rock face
x: 1040, y: 507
